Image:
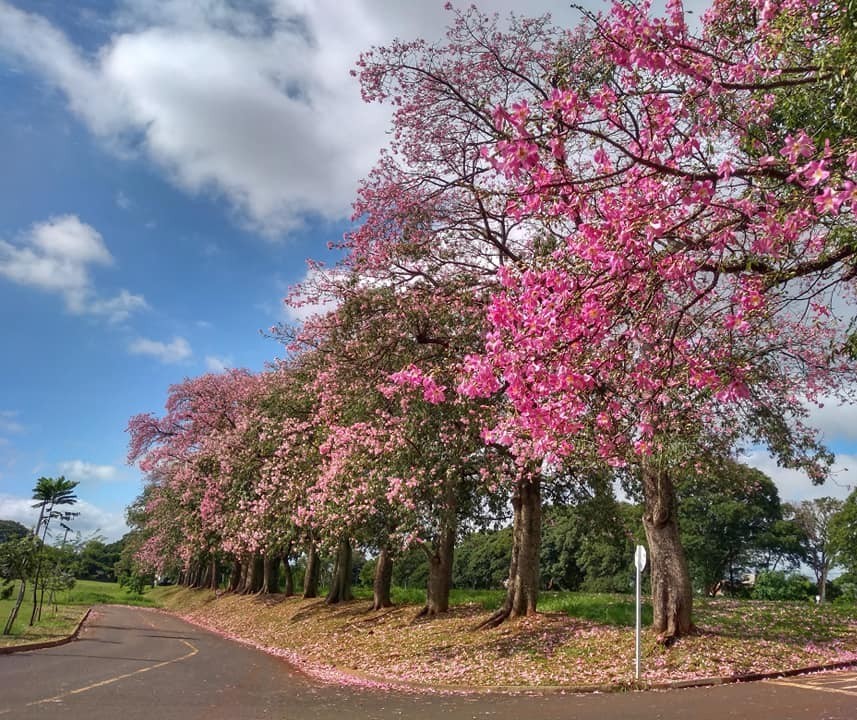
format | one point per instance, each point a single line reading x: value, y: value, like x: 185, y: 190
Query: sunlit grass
x: 53, y: 624
x: 90, y: 592
x: 70, y: 606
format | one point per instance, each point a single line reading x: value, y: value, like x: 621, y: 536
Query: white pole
x: 637, y: 638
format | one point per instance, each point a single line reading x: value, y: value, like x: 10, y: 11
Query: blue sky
x: 167, y: 168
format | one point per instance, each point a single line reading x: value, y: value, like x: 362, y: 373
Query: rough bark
x: 522, y: 588
x: 313, y: 567
x: 340, y: 584
x: 382, y: 581
x: 253, y: 580
x: 440, y: 554
x: 440, y: 574
x: 235, y: 576
x: 271, y: 575
x: 672, y: 595
x: 245, y: 571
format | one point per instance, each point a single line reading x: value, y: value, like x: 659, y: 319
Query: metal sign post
x: 640, y: 564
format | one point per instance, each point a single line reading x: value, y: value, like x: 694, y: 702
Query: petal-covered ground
x: 349, y: 643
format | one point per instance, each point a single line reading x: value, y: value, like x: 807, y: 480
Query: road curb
x: 8, y: 650
x: 630, y: 686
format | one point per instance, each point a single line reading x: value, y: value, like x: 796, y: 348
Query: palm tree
x: 48, y: 493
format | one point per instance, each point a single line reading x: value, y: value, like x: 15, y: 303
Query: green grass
x: 71, y: 605
x: 90, y: 592
x: 607, y: 609
x: 775, y: 620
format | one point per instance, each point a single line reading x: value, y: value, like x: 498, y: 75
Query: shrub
x: 782, y: 586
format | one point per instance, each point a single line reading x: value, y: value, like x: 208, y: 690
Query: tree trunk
x: 672, y: 596
x: 201, y: 575
x: 313, y: 567
x: 340, y: 584
x: 36, y: 581
x: 290, y: 579
x: 253, y: 579
x: 822, y: 582
x: 522, y: 590
x: 41, y: 602
x: 7, y: 630
x: 245, y: 571
x: 235, y: 576
x: 440, y: 574
x: 215, y: 574
x: 382, y: 581
x: 271, y: 575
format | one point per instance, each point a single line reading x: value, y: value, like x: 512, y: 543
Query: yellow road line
x: 56, y: 698
x: 817, y: 688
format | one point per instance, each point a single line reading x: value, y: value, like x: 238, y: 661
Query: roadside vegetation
x: 576, y: 639
x: 59, y: 619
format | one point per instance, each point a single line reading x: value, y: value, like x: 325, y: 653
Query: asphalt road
x: 131, y: 664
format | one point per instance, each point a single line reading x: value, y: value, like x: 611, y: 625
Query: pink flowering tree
x: 434, y: 228
x: 401, y: 461
x: 286, y: 439
x: 694, y: 300
x: 193, y: 455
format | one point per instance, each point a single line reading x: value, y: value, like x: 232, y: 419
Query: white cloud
x: 794, y: 485
x: 9, y: 422
x: 219, y: 102
x: 56, y: 256
x: 835, y: 421
x: 119, y: 308
x: 81, y: 470
x: 253, y: 101
x: 217, y: 364
x: 175, y: 351
x: 92, y: 519
x: 123, y: 201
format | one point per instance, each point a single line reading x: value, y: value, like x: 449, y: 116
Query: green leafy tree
x: 482, y: 559
x: 11, y: 530
x: 411, y: 570
x: 777, y: 585
x: 724, y: 513
x: 844, y: 534
x: 780, y: 546
x: 49, y: 493
x: 128, y: 571
x: 588, y: 543
x: 817, y: 518
x: 95, y: 560
x: 18, y: 559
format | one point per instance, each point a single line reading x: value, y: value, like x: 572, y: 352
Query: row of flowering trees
x: 627, y: 245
